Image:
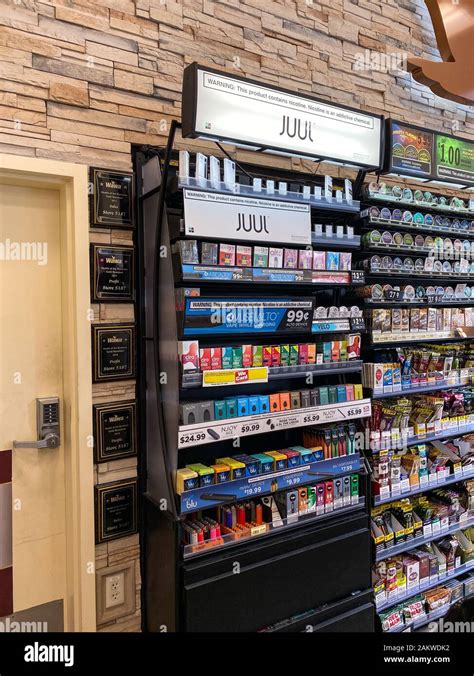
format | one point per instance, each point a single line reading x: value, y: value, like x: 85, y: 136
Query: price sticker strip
x: 231, y: 428
x: 263, y: 484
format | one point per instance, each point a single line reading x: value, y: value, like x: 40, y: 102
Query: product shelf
x: 416, y: 542
x: 285, y: 525
x: 431, y: 229
x: 423, y: 488
x: 431, y: 276
x: 260, y: 485
x: 420, y: 205
x: 352, y: 207
x: 369, y: 303
x: 429, y: 584
x: 407, y: 338
x: 336, y: 242
x: 373, y: 394
x: 426, y: 619
x: 455, y: 430
x: 217, y: 430
x: 194, y: 380
x: 271, y: 276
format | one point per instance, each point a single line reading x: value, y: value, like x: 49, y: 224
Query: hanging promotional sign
x: 454, y: 159
x: 246, y: 218
x: 425, y: 153
x: 226, y: 107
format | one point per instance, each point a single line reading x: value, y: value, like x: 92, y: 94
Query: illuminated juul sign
x: 296, y: 127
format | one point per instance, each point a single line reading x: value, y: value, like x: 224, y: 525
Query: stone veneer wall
x: 82, y: 81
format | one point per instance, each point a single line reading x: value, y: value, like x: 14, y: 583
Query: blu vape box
x: 266, y: 463
x: 251, y: 464
x: 306, y: 455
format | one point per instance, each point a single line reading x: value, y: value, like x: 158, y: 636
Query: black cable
x: 231, y: 158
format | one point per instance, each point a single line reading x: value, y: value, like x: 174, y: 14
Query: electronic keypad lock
x: 47, y: 425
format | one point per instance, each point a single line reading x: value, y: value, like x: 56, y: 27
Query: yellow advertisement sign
x: 235, y: 376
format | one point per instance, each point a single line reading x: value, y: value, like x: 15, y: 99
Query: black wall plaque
x: 115, y: 430
x: 113, y: 352
x: 116, y: 510
x: 112, y: 199
x: 112, y: 270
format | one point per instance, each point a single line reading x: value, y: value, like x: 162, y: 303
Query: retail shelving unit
x: 393, y: 298
x: 283, y: 565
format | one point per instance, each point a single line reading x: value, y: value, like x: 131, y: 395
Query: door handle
x: 47, y: 425
x: 50, y: 441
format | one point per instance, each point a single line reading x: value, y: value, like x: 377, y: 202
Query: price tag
x: 384, y: 491
x: 297, y: 320
x: 357, y: 277
x: 393, y: 295
x: 357, y: 324
x: 396, y: 489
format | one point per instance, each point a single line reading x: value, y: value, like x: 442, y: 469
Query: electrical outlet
x: 114, y: 590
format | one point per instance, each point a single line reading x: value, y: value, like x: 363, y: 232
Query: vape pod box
x: 294, y: 457
x: 229, y: 174
x: 237, y: 468
x: 260, y: 256
x: 209, y: 253
x: 332, y: 389
x: 349, y: 392
x: 311, y: 353
x: 294, y: 355
x: 221, y: 473
x: 266, y: 462
x: 246, y: 356
x: 328, y: 496
x: 243, y: 256
x: 216, y: 358
x: 290, y: 259
x: 311, y: 499
x: 305, y: 259
x: 314, y: 397
x: 254, y: 405
x: 231, y: 408
x: 358, y: 391
x: 237, y: 357
x: 227, y: 254
x: 188, y: 352
x: 323, y: 396
x: 346, y: 487
x: 227, y: 357
x: 328, y: 188
x: 189, y: 414
x: 295, y: 399
x: 306, y: 454
x: 267, y: 355
x: 281, y: 461
x: 274, y: 403
x: 276, y: 355
x: 345, y: 260
x: 264, y: 403
x: 341, y: 393
x: 201, y: 169
x: 348, y: 190
x: 338, y: 493
x: 242, y: 406
x: 205, y: 358
x: 332, y: 260
x: 320, y: 498
x: 220, y: 410
x: 275, y: 258
x: 186, y: 480
x: 205, y: 474
x: 319, y: 260
x: 302, y: 500
x: 206, y: 411
x: 305, y: 399
x: 183, y: 164
x: 284, y: 355
x: 251, y: 464
x: 214, y: 171
x: 288, y: 505
x: 303, y: 354
x: 354, y: 489
x: 284, y: 401
x: 257, y: 355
